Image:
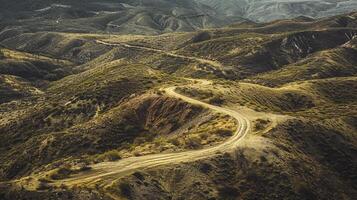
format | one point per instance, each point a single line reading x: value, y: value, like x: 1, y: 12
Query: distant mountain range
x: 119, y: 16
x: 250, y: 111
x: 267, y: 10
x: 155, y: 16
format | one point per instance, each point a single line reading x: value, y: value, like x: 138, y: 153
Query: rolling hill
x: 154, y: 17
x: 109, y: 16
x: 247, y: 111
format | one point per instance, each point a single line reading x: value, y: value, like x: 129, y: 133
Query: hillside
x: 248, y: 111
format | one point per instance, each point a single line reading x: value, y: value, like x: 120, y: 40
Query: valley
x: 100, y: 106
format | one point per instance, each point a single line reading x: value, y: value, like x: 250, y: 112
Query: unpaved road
x: 104, y: 173
x: 215, y: 64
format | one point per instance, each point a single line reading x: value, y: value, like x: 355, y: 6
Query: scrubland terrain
x: 250, y: 111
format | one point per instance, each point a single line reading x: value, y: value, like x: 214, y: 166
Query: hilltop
x: 249, y: 111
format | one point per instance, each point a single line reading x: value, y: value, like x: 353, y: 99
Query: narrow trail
x: 105, y: 173
x: 215, y: 64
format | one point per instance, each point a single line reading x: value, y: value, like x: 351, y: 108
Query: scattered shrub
x: 202, y: 36
x: 205, y: 168
x: 175, y: 141
x: 109, y: 156
x: 216, y: 100
x: 139, y: 175
x: 193, y: 142
x: 84, y: 167
x: 125, y: 189
x: 136, y: 153
x: 260, y: 124
x: 204, y: 136
x: 61, y: 173
x: 159, y: 92
x: 43, y: 184
x: 228, y: 192
x: 224, y: 132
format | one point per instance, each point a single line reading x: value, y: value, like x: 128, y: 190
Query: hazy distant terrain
x: 267, y: 10
x: 155, y: 16
x: 122, y: 16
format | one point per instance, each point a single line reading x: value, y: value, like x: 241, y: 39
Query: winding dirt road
x: 215, y: 64
x: 105, y: 173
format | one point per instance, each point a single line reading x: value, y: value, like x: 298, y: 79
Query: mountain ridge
x: 87, y: 113
x: 155, y: 16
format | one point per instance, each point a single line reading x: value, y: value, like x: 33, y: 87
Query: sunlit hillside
x: 164, y: 99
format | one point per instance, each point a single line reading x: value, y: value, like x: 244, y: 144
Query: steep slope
x: 12, y: 88
x: 290, y: 161
x: 33, y: 66
x: 330, y: 63
x: 99, y: 116
x: 110, y: 111
x: 247, y: 54
x: 24, y: 75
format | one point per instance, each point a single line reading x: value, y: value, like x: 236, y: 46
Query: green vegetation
x: 75, y: 105
x: 109, y: 156
x: 61, y: 173
x: 261, y: 124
